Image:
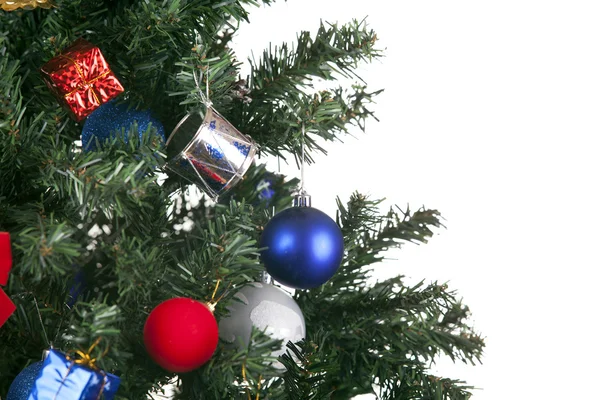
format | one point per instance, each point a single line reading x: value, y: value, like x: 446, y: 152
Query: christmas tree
x: 104, y: 231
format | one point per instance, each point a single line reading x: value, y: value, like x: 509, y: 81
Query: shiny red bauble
x: 181, y: 334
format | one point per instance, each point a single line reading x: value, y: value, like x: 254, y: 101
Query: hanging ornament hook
x: 50, y: 344
x: 302, y: 162
x: 302, y: 198
x: 37, y: 308
x: 212, y: 303
x: 205, y: 97
x: 208, y: 102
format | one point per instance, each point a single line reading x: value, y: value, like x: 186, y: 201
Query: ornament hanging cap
x: 302, y: 199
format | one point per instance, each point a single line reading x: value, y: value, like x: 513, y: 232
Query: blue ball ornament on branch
x: 112, y: 118
x: 267, y: 308
x: 21, y: 386
x: 304, y: 245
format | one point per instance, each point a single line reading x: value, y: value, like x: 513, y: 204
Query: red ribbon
x: 7, y: 307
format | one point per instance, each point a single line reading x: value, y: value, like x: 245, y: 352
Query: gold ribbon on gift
x: 86, y: 360
x: 84, y: 84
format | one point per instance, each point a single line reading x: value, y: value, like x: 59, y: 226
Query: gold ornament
x: 12, y: 5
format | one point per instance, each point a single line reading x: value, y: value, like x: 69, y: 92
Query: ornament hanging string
x: 212, y: 303
x: 208, y: 104
x: 302, y: 198
x: 265, y: 277
x: 39, y: 314
x: 302, y: 191
x: 212, y: 298
x: 278, y: 164
x: 205, y: 97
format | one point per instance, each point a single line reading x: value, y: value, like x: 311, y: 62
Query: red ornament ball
x: 181, y: 334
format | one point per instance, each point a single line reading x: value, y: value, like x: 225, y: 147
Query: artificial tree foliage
x: 97, y: 236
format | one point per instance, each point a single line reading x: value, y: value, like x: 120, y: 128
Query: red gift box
x: 81, y: 78
x: 5, y: 257
x: 7, y: 307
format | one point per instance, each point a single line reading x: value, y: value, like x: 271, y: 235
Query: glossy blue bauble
x: 21, y: 386
x: 305, y: 247
x: 112, y: 117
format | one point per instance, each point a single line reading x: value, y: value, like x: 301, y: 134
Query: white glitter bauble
x: 269, y: 309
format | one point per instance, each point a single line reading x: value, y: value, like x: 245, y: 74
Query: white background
x: 490, y: 114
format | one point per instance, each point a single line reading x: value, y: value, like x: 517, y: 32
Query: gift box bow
x: 82, y: 77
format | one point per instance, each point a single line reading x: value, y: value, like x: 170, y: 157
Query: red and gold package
x: 81, y: 78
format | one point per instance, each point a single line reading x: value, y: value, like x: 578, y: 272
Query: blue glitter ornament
x: 305, y: 247
x: 111, y: 118
x: 21, y: 386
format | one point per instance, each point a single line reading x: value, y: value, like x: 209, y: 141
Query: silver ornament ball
x: 269, y: 309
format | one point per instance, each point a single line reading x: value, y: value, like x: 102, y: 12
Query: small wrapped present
x: 63, y: 378
x: 81, y: 79
x: 5, y: 257
x: 7, y: 307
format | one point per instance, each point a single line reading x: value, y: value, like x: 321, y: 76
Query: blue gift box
x: 62, y: 378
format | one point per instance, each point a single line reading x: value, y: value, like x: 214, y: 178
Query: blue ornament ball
x: 112, y: 117
x: 305, y: 247
x: 21, y: 386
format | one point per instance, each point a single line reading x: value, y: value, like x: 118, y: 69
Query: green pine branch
x: 278, y: 89
x: 99, y: 240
